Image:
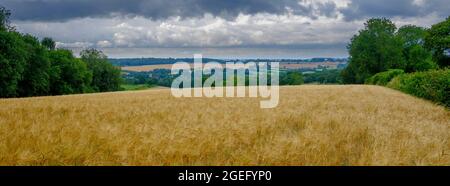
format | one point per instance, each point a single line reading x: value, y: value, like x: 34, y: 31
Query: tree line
x: 33, y: 67
x: 380, y: 46
x: 411, y: 59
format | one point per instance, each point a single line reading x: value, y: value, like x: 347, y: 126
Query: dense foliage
x: 291, y: 78
x: 29, y: 67
x: 416, y: 56
x: 410, y: 49
x: 160, y: 77
x: 383, y: 78
x: 105, y: 77
x: 433, y: 85
x: 68, y: 74
x: 323, y: 77
x: 374, y: 49
x: 163, y: 77
x: 437, y: 40
x: 380, y: 46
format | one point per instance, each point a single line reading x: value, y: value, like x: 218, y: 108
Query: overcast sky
x: 216, y: 28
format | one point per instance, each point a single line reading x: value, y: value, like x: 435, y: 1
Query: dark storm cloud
x: 60, y: 10
x: 360, y: 9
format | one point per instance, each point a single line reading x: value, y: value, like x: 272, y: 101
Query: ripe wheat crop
x: 312, y: 125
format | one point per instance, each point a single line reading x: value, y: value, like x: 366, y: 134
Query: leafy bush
x: 433, y: 85
x: 383, y: 78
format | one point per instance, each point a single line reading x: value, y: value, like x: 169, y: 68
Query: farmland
x: 144, y: 68
x: 312, y: 125
x: 284, y: 65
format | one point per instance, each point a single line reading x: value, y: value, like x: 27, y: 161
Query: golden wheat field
x: 312, y: 125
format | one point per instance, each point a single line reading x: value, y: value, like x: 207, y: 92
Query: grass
x: 312, y: 125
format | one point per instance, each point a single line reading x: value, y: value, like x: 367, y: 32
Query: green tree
x: 35, y: 79
x: 12, y: 62
x: 331, y: 76
x: 31, y: 68
x: 419, y: 59
x: 4, y: 19
x: 416, y: 56
x: 48, y: 43
x: 12, y: 56
x: 292, y: 78
x: 437, y: 40
x: 374, y: 49
x: 68, y: 75
x: 106, y: 77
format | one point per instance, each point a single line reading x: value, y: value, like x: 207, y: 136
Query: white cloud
x: 104, y: 44
x: 74, y: 45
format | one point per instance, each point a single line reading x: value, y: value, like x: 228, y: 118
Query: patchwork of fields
x: 303, y: 65
x: 312, y: 125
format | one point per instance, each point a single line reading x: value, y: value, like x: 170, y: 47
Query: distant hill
x: 162, y: 61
